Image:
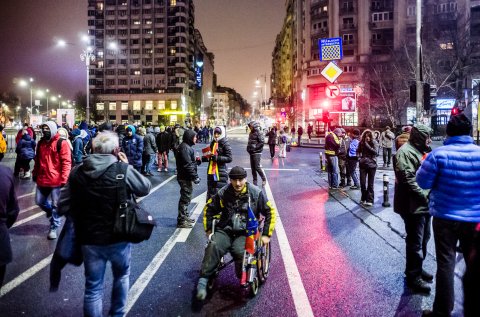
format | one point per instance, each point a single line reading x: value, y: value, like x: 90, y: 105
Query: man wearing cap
x: 50, y: 172
x: 229, y: 204
x: 452, y: 173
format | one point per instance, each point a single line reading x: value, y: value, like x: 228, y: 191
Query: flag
x: 252, y: 231
x: 213, y: 166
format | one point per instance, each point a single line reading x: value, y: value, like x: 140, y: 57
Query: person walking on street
x: 50, y: 172
x: 367, y: 152
x: 309, y: 131
x: 8, y: 215
x: 352, y: 159
x: 149, y: 152
x: 332, y: 145
x: 232, y: 201
x: 186, y: 175
x: 164, y: 143
x: 292, y: 132
x: 453, y: 169
x: 132, y: 146
x: 411, y: 202
x: 92, y: 202
x: 386, y: 139
x: 255, y: 145
x: 282, y: 144
x: 403, y: 138
x: 272, y: 142
x: 25, y: 152
x: 345, y: 179
x: 300, y: 133
x: 221, y: 155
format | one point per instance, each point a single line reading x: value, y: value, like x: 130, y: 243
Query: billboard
x: 36, y: 120
x: 66, y: 116
x: 335, y: 99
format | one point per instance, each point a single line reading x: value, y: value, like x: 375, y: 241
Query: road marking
x: 26, y: 195
x: 34, y: 216
x: 154, y: 189
x: 201, y: 201
x: 144, y: 279
x: 299, y: 295
x: 28, y: 209
x: 25, y: 276
x: 277, y: 169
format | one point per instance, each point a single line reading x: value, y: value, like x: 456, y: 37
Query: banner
x: 66, y: 116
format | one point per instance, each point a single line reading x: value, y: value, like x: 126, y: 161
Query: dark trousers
x: 387, y: 155
x: 471, y: 281
x: 186, y: 190
x: 344, y: 176
x: 221, y: 243
x: 2, y: 274
x: 447, y: 233
x: 2, y: 155
x: 352, y: 163
x: 418, y: 232
x: 272, y: 150
x: 255, y: 165
x: 21, y: 164
x: 367, y: 192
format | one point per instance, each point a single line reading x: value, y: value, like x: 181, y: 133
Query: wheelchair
x: 255, y: 267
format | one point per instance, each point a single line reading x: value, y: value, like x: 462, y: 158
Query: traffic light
x: 429, y: 95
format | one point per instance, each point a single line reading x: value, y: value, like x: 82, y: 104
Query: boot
x: 417, y: 285
x: 202, y: 288
x: 427, y: 277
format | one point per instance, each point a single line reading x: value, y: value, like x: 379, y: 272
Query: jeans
x: 352, y: 163
x: 272, y: 150
x: 186, y: 190
x: 49, y: 205
x: 282, y: 150
x: 255, y: 165
x: 162, y: 159
x: 95, y: 261
x: 149, y: 159
x: 222, y: 242
x: 447, y: 233
x: 368, y: 194
x: 418, y: 232
x: 344, y: 175
x: 333, y: 171
x: 387, y: 155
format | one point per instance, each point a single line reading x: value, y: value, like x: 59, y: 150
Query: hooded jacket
x: 224, y: 156
x: 185, y: 157
x: 256, y: 140
x: 132, y: 146
x: 77, y: 146
x: 409, y: 197
x: 332, y: 142
x: 51, y: 168
x: 90, y: 197
x: 8, y: 212
x: 26, y: 147
x: 452, y: 172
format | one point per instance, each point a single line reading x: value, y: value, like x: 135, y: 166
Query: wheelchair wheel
x: 254, y: 286
x: 263, y: 262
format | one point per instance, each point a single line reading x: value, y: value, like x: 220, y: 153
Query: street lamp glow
x: 113, y: 46
x: 61, y: 43
x: 40, y: 93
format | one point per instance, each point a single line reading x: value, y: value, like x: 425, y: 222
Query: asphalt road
x: 330, y: 256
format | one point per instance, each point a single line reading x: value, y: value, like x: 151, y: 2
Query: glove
x: 197, y: 180
x: 214, y: 158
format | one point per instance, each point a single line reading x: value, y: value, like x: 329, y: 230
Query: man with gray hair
x: 91, y: 199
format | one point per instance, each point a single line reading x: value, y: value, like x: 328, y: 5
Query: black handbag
x: 132, y: 222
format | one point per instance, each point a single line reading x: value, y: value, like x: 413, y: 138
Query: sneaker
x: 427, y: 277
x: 52, y: 234
x: 334, y: 188
x: 202, y: 289
x: 354, y: 187
x: 166, y: 170
x: 184, y: 225
x: 27, y: 175
x: 190, y: 220
x: 418, y: 285
x: 362, y: 202
x: 368, y: 204
x: 159, y: 169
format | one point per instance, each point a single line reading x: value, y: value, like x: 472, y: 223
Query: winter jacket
x: 300, y: 131
x: 8, y: 212
x: 226, y: 203
x: 272, y: 137
x: 352, y: 150
x: 51, y: 168
x: 386, y: 139
x: 132, y: 146
x: 20, y: 134
x: 452, y: 172
x: 332, y: 144
x: 185, y: 158
x: 26, y: 147
x: 409, y: 197
x: 344, y: 147
x: 149, y: 144
x: 77, y: 149
x: 90, y: 197
x: 164, y: 141
x: 256, y: 141
x: 224, y: 156
x: 367, y: 153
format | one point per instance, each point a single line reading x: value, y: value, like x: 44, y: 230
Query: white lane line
x: 28, y: 209
x: 26, y: 195
x: 34, y: 216
x: 144, y: 279
x: 201, y: 201
x: 299, y: 295
x: 276, y: 169
x: 154, y: 189
x: 25, y: 276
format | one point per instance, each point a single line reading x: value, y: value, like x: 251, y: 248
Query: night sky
x: 241, y: 34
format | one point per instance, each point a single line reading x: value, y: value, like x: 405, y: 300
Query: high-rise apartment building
x: 373, y: 33
x: 145, y: 60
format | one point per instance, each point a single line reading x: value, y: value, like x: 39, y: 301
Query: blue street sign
x: 330, y: 49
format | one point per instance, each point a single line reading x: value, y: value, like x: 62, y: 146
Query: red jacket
x: 51, y: 168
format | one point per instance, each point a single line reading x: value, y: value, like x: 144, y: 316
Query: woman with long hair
x: 367, y: 152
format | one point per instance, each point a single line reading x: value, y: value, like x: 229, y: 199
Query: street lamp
x: 88, y: 56
x: 24, y: 83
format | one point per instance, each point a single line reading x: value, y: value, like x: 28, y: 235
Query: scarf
x: 213, y: 166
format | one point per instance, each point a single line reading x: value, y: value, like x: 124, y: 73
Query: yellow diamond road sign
x: 331, y: 72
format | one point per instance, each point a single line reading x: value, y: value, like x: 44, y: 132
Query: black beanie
x: 459, y: 125
x: 237, y: 172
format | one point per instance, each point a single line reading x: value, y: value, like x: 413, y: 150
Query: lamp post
x: 24, y: 83
x: 88, y: 56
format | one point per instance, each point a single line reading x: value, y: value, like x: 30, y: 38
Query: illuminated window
x: 112, y: 106
x: 100, y: 64
x: 446, y: 46
x: 173, y: 3
x: 173, y: 104
x: 161, y: 104
x: 148, y: 105
x: 173, y: 51
x: 136, y: 22
x: 124, y: 105
x: 100, y: 106
x: 173, y: 118
x: 136, y: 105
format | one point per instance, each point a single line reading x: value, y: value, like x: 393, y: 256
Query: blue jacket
x: 77, y: 149
x: 26, y: 147
x: 452, y: 172
x: 133, y: 149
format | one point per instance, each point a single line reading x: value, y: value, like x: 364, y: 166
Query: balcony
x: 347, y: 11
x: 321, y: 15
x: 381, y: 24
x: 349, y: 26
x: 381, y: 42
x: 381, y: 8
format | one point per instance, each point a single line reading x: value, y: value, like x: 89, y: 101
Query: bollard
x: 385, y: 203
x: 322, y: 166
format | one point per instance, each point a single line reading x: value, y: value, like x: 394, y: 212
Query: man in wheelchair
x: 230, y: 206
